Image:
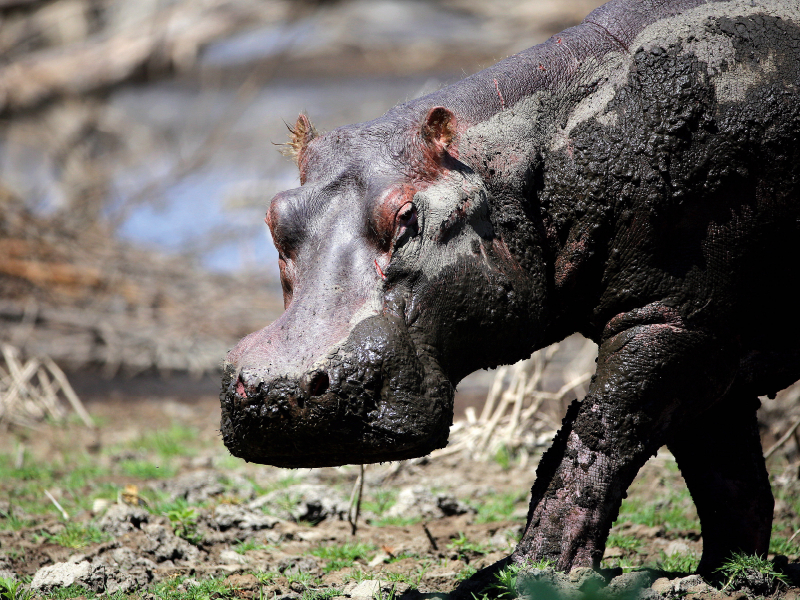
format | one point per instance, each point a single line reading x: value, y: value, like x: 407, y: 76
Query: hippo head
x: 396, y: 285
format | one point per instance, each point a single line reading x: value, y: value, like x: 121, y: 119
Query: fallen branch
x: 783, y: 439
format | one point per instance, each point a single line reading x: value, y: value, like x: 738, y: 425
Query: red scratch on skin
x: 499, y: 95
x: 558, y: 41
x: 380, y: 271
x: 541, y: 67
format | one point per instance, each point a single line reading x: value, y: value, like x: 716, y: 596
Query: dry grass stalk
x: 520, y: 412
x: 30, y: 391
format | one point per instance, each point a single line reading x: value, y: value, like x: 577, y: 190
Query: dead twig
x: 355, y: 501
x: 783, y: 439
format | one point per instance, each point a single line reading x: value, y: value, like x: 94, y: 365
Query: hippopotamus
x: 634, y: 179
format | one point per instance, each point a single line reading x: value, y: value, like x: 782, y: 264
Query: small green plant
x: 737, y: 567
x: 466, y: 573
x: 503, y: 457
x: 304, y: 579
x: 77, y: 535
x: 678, y: 562
x: 184, y: 523
x: 339, y: 556
x: 463, y: 545
x: 246, y: 545
x: 266, y: 577
x: 381, y: 500
x: 10, y: 521
x: 11, y: 589
x: 505, y: 584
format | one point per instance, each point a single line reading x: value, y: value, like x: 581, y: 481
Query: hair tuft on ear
x: 299, y: 137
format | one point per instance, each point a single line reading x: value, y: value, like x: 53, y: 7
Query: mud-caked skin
x: 634, y: 179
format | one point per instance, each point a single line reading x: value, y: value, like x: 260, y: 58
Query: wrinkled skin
x: 634, y: 179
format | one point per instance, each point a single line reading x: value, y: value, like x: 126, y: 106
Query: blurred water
x: 217, y: 209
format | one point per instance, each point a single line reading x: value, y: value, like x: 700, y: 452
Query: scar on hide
x: 499, y: 94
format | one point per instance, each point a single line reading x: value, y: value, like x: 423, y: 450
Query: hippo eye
x: 406, y: 225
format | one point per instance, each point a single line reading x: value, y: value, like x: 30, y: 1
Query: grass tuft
x: 77, y: 535
x: 738, y: 566
x: 340, y: 556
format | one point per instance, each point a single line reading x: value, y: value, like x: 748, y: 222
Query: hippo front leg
x: 649, y: 363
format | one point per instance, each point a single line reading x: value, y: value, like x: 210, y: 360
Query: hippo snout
x: 369, y: 398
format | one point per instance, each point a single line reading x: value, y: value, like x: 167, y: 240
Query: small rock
x: 64, y: 574
x: 613, y: 552
x: 662, y: 585
x: 304, y: 502
x: 417, y: 501
x: 165, y: 545
x: 380, y: 558
x: 122, y: 518
x: 231, y: 557
x: 227, y: 516
x: 627, y: 584
x: 586, y: 579
x: 100, y: 505
x: 298, y: 564
x: 684, y: 584
x: 677, y: 547
x: 369, y: 588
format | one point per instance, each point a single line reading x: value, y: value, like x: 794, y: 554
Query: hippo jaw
x: 370, y: 400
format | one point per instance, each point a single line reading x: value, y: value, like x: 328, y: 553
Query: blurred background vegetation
x: 137, y: 157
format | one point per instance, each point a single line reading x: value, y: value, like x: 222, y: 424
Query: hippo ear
x: 299, y: 137
x: 439, y: 129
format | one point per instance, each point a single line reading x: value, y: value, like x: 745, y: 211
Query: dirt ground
x: 150, y: 504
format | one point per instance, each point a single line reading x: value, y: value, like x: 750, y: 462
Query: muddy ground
x: 150, y: 504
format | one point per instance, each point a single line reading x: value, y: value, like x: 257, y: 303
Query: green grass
x: 247, y: 545
x: 628, y: 543
x: 145, y: 470
x: 322, y: 594
x: 380, y: 501
x: 304, y: 579
x: 779, y: 544
x: 503, y: 457
x: 340, y: 556
x: 167, y: 443
x: 463, y: 545
x: 498, y: 507
x: 77, y: 535
x: 740, y: 564
x: 204, y: 590
x: 396, y: 521
x: 674, y: 512
x: 9, y: 521
x: 678, y: 562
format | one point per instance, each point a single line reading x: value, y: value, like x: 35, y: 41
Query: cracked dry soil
x: 156, y: 507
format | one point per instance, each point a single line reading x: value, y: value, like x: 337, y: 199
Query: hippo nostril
x: 319, y: 383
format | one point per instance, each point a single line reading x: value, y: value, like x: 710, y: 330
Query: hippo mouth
x: 371, y: 399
